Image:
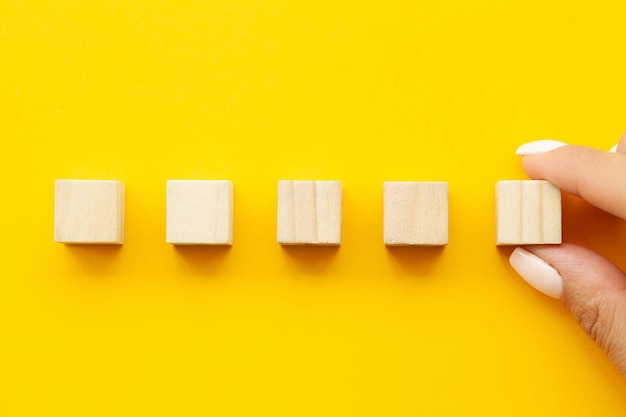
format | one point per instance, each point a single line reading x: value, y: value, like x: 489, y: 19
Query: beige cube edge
x: 528, y: 212
x: 199, y: 212
x: 309, y: 213
x: 89, y: 212
x: 415, y: 213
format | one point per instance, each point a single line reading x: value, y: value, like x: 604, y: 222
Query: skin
x: 594, y: 289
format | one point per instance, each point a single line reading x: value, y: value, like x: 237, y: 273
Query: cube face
x: 199, y: 212
x: 415, y: 213
x: 309, y: 212
x: 89, y: 212
x: 528, y: 213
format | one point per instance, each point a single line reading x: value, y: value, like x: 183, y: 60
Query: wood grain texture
x: 415, y: 213
x: 527, y: 213
x: 199, y: 212
x: 89, y: 212
x: 309, y: 212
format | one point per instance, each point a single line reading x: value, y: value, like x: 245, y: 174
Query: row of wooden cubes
x: 200, y: 212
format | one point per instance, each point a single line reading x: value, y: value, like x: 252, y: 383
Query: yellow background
x: 257, y: 91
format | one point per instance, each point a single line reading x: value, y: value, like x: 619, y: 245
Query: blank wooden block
x: 309, y: 212
x: 528, y: 213
x: 199, y: 212
x: 89, y: 212
x: 416, y: 213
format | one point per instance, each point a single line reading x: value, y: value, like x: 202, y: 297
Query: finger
x: 596, y: 176
x: 593, y: 289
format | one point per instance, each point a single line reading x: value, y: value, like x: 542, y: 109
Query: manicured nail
x: 537, y: 272
x: 539, y: 146
x: 613, y: 149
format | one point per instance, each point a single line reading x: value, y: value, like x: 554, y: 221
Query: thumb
x: 590, y: 286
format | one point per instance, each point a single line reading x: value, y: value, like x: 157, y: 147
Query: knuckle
x: 597, y: 317
x: 589, y: 313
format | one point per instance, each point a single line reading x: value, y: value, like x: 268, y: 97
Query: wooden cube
x: 528, y: 213
x: 89, y: 212
x: 309, y: 212
x: 199, y: 212
x: 416, y: 213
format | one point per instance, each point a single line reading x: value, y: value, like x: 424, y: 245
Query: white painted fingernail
x: 539, y: 146
x: 537, y: 272
x: 613, y: 149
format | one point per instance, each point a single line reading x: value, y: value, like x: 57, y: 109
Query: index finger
x: 596, y: 176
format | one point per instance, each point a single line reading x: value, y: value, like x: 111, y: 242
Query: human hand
x: 589, y: 285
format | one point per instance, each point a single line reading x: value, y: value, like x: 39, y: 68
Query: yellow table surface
x: 258, y: 91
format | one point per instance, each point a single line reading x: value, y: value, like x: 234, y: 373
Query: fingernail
x: 539, y: 146
x: 537, y: 272
x: 613, y: 149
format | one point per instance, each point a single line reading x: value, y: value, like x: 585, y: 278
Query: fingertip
x: 594, y: 175
x: 535, y: 166
x: 537, y: 273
